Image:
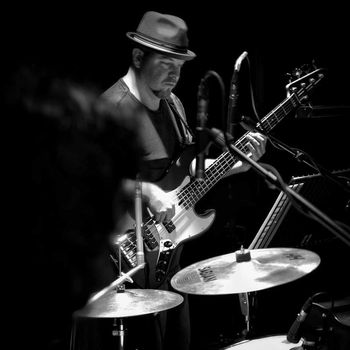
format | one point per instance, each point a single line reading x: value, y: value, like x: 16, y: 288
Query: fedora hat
x: 163, y: 33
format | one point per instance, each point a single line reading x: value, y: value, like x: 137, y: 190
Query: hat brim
x: 188, y: 55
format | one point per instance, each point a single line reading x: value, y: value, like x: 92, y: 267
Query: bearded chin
x: 163, y: 93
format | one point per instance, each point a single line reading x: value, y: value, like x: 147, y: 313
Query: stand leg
x: 72, y: 336
x: 247, y: 303
x: 244, y: 303
x: 119, y: 331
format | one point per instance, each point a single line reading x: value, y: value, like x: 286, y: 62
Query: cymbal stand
x: 245, y: 298
x: 247, y: 304
x: 118, y: 326
x: 118, y: 329
x: 244, y: 303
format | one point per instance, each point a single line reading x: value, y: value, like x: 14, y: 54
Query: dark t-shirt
x: 161, y: 132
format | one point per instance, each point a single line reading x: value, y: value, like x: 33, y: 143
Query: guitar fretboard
x: 196, y: 189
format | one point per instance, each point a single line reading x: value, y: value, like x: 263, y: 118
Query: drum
x: 276, y: 342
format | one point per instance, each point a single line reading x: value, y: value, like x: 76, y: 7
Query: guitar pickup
x: 170, y: 227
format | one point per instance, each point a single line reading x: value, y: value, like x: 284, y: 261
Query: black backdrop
x: 87, y: 42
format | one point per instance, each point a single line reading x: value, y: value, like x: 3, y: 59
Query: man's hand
x: 257, y: 147
x: 160, y: 203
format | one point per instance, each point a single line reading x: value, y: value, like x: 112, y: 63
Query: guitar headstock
x: 303, y: 79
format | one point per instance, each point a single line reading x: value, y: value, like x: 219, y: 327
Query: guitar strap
x: 179, y: 119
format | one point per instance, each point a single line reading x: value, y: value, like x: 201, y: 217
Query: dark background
x: 87, y: 42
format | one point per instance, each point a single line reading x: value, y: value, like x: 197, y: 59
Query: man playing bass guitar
x: 159, y: 51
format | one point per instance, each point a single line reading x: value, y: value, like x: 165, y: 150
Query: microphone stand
x: 202, y: 117
x: 318, y: 215
x: 118, y: 324
x: 138, y: 222
x: 118, y: 327
x: 297, y: 154
x: 232, y: 112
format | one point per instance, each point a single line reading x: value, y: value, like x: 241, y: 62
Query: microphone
x: 202, y: 113
x: 239, y: 60
x: 138, y: 222
x: 294, y: 335
x: 232, y: 118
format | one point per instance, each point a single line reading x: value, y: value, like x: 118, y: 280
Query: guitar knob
x: 168, y: 244
x: 162, y: 263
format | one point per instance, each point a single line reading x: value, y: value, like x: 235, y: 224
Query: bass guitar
x: 161, y: 240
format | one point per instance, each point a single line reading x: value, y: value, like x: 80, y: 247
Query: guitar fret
x: 279, y: 112
x: 284, y: 110
x: 295, y: 103
x: 192, y: 198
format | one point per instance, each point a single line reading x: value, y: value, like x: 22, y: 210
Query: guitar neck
x: 196, y: 189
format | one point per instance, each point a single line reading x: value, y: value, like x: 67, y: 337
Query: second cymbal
x: 131, y: 302
x: 260, y: 269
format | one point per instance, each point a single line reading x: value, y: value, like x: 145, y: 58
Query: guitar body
x: 161, y: 240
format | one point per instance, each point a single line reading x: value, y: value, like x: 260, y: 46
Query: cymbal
x: 241, y: 273
x: 130, y: 302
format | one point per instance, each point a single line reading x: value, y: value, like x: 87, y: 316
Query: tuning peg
x: 297, y: 72
x: 313, y: 63
x: 289, y: 77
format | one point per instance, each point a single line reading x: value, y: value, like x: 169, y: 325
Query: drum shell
x: 275, y: 342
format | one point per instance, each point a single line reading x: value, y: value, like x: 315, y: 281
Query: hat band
x: 172, y: 47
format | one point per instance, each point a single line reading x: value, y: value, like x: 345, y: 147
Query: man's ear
x: 137, y: 56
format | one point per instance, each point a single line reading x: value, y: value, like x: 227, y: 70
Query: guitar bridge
x: 127, y: 244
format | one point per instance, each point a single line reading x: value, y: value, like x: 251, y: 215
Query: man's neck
x: 140, y: 90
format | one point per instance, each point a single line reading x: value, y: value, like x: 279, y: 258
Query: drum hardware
x: 117, y: 302
x: 275, y: 342
x: 327, y: 325
x: 244, y: 272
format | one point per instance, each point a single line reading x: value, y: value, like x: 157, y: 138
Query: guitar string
x: 189, y: 194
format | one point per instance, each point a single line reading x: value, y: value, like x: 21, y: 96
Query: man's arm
x: 160, y: 203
